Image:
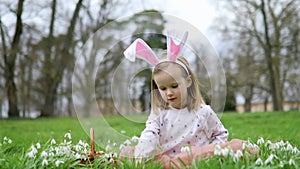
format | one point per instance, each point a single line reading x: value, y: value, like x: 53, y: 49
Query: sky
x: 199, y: 13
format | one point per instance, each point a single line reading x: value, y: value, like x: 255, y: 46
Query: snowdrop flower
x: 295, y: 150
x: 108, y: 148
x: 44, y: 162
x: 78, y: 147
x: 122, y: 146
x: 281, y: 143
x: 123, y: 131
x: 135, y: 139
x: 185, y: 149
x: 270, y: 159
x: 38, y: 145
x: 217, y: 150
x: 33, y: 152
x: 239, y: 153
x: 225, y: 152
x: 289, y: 147
x: 51, y: 154
x: 58, y: 162
x: 292, y: 162
x: 5, y: 138
x: 44, y: 154
x: 115, y: 144
x: 281, y: 164
x: 268, y: 142
x: 52, y: 141
x: 9, y: 141
x: 127, y: 142
x: 259, y: 161
x: 77, y: 156
x: 68, y: 135
x: 274, y: 146
x: 261, y: 141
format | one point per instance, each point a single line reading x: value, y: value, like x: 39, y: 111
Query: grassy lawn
x: 274, y: 126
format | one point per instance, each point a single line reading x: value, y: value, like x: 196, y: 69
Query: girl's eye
x: 163, y: 88
x: 175, y: 86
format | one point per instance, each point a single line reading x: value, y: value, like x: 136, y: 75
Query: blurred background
x: 258, y: 42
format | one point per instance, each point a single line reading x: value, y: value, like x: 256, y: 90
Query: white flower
x: 58, y: 162
x: 78, y: 147
x: 9, y: 141
x: 121, y: 146
x: 260, y: 141
x: 281, y: 164
x: 44, y: 162
x: 38, y: 145
x: 51, y: 154
x: 135, y: 139
x: 239, y: 153
x: 127, y: 142
x: 52, y: 141
x: 108, y: 148
x: 295, y: 150
x: 244, y: 145
x: 185, y: 149
x: 115, y: 155
x: 217, y: 150
x: 44, y: 154
x: 123, y: 131
x: 33, y: 152
x: 281, y: 143
x: 270, y: 159
x: 259, y: 161
x: 68, y: 135
x: 289, y: 147
x: 268, y: 142
x: 5, y: 138
x: 225, y: 152
x: 292, y: 162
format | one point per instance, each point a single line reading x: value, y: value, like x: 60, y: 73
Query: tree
x: 267, y: 24
x: 9, y: 61
x: 60, y: 62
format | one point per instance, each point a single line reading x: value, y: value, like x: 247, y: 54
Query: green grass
x: 274, y: 126
x: 270, y: 125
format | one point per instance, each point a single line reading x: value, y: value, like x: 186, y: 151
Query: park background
x: 257, y: 42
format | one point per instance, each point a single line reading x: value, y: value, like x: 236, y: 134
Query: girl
x: 179, y: 117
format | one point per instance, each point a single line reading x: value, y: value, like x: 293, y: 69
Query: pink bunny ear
x: 139, y: 48
x: 173, y: 49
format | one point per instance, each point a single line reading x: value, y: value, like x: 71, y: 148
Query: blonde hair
x: 194, y: 99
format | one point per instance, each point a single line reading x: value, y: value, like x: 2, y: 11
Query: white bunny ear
x: 140, y: 49
x: 173, y: 49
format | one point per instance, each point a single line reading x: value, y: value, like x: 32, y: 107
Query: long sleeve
x: 149, y: 139
x: 216, y: 132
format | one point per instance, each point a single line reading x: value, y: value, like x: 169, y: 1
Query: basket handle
x: 92, y: 144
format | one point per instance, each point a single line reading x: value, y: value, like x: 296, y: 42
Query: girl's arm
x: 216, y: 132
x: 149, y: 139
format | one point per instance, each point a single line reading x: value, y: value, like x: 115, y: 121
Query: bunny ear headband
x: 140, y: 49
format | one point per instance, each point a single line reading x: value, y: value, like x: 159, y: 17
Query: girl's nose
x: 169, y: 92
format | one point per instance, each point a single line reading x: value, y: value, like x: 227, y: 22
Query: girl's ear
x: 189, y: 81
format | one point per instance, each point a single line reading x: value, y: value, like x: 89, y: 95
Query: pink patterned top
x: 172, y: 129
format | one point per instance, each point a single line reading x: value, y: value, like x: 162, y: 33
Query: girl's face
x: 172, y: 86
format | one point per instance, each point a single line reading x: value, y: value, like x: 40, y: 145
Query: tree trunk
x: 65, y: 59
x: 9, y: 60
x: 274, y: 75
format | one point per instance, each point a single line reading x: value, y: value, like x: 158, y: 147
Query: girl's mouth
x: 171, y: 99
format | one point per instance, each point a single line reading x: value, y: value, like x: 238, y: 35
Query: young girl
x: 179, y: 117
